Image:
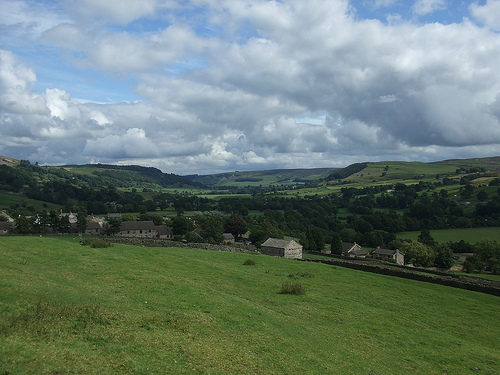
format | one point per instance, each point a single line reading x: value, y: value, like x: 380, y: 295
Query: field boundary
x: 457, y: 281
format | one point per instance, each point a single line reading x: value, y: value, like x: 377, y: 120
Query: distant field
x: 8, y: 199
x: 471, y: 235
x: 68, y: 308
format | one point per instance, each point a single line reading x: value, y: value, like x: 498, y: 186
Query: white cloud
x: 132, y: 144
x: 256, y: 84
x: 119, y: 11
x: 423, y: 7
x: 488, y: 14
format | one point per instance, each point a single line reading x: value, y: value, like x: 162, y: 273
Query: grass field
x: 471, y: 235
x: 67, y: 308
x: 8, y: 199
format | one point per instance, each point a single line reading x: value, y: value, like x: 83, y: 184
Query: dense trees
x: 369, y: 215
x: 486, y: 257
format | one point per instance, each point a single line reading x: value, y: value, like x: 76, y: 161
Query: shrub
x: 249, y: 262
x: 292, y: 288
x: 95, y: 243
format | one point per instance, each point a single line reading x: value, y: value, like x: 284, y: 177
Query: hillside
x: 94, y: 175
x: 129, y: 309
x: 390, y: 171
x: 130, y: 176
x: 274, y: 177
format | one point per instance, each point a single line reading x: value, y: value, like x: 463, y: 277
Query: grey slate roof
x: 275, y: 242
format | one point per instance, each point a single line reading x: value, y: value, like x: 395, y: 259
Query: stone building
x: 282, y: 248
x: 386, y: 254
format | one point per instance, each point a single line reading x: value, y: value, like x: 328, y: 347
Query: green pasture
x: 68, y: 308
x: 8, y: 200
x: 471, y: 235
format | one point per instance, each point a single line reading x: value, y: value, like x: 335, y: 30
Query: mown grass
x: 68, y: 308
x: 471, y: 235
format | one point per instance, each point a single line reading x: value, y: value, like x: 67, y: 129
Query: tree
x: 315, y: 238
x: 418, y: 254
x: 81, y: 222
x: 426, y: 238
x: 444, y: 256
x: 211, y: 229
x: 236, y: 225
x: 336, y: 244
x: 349, y: 235
x: 24, y: 224
x: 181, y: 225
x: 114, y: 225
x: 488, y: 253
x: 482, y: 195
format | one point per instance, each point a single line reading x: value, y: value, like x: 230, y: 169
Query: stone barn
x: 386, y: 254
x: 282, y: 248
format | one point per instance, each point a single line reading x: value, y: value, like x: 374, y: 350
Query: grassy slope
x: 471, y: 235
x: 264, y: 178
x: 208, y: 313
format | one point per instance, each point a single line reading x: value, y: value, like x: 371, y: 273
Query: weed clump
x: 292, y: 288
x: 296, y: 275
x: 249, y: 262
x: 95, y: 243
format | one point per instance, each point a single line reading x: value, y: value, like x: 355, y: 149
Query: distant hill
x: 8, y: 161
x: 385, y: 171
x: 273, y: 177
x: 91, y: 175
x: 131, y: 176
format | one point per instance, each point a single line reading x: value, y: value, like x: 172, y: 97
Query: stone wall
x: 476, y: 284
x: 153, y: 242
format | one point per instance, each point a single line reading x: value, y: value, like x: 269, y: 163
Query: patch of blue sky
x: 143, y: 26
x: 312, y: 119
x: 182, y: 66
x: 52, y: 71
x: 446, y: 12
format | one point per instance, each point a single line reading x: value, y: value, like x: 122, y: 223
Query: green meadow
x: 68, y: 308
x: 471, y: 235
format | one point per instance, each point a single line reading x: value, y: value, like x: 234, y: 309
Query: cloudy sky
x: 205, y: 86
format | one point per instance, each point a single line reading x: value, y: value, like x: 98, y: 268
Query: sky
x: 208, y: 86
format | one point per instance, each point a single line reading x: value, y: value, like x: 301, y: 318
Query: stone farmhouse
x: 386, y: 254
x: 143, y: 229
x: 353, y: 250
x: 282, y: 248
x: 228, y: 238
x: 94, y: 228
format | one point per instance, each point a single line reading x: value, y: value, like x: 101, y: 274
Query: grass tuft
x: 249, y: 262
x: 292, y: 288
x: 54, y: 319
x: 296, y: 275
x: 95, y: 243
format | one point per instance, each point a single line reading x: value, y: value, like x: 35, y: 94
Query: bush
x: 249, y: 262
x: 95, y: 243
x: 292, y: 288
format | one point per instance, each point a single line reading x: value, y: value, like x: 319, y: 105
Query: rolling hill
x: 273, y: 177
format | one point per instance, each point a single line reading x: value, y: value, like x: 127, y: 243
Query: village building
x: 282, y: 248
x: 72, y: 217
x: 139, y: 229
x: 387, y: 254
x: 94, y: 228
x: 164, y: 232
x: 353, y: 250
x: 228, y: 238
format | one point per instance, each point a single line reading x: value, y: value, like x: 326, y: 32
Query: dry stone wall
x: 150, y: 242
x: 458, y: 281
